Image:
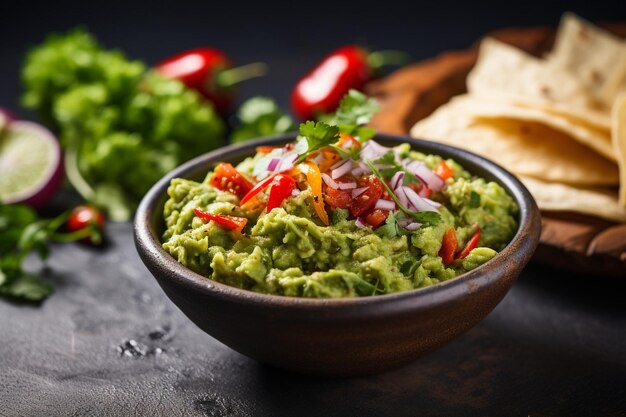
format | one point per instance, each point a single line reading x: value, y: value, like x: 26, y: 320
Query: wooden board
x: 581, y: 244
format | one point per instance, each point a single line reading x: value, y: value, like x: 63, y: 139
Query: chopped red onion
x: 301, y: 146
x: 271, y: 166
x: 433, y: 203
x: 346, y: 185
x: 338, y: 163
x: 425, y: 174
x: 329, y: 181
x: 396, y: 179
x: 418, y: 202
x: 385, y: 205
x: 295, y: 192
x: 342, y: 169
x: 318, y: 158
x: 286, y: 162
x: 359, y: 222
x: 358, y: 191
x: 399, y: 192
x: 404, y: 222
x: 358, y: 171
x: 413, y: 226
x: 347, y: 144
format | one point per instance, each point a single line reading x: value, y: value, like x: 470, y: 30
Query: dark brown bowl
x: 338, y: 337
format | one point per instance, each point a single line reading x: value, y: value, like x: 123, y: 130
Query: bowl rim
x: 525, y: 239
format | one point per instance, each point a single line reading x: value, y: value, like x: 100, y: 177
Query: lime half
x: 30, y: 164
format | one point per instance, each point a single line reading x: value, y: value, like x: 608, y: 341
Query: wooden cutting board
x: 578, y: 243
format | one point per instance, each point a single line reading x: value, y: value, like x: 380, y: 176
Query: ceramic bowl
x: 337, y: 337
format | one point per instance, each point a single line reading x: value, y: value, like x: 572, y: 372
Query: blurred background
x: 290, y: 37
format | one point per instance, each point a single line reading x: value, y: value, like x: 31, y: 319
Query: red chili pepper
x: 349, y: 67
x: 281, y: 188
x: 224, y: 220
x: 260, y: 186
x: 448, y: 246
x: 470, y: 245
x: 210, y: 72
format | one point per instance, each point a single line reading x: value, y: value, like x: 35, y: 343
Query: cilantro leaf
x: 474, y: 199
x: 317, y: 136
x: 355, y: 109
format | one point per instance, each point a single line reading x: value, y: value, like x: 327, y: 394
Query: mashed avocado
x: 290, y: 251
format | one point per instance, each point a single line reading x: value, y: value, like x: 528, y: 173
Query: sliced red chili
x: 280, y: 188
x: 448, y: 246
x: 258, y: 187
x: 470, y: 245
x: 227, y: 178
x: 224, y: 220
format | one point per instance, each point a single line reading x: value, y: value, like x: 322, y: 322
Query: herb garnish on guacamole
x: 336, y: 214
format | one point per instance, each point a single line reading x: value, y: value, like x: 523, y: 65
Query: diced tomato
x: 280, y: 188
x: 470, y: 245
x: 444, y: 171
x: 224, y: 220
x: 376, y: 217
x: 421, y: 189
x: 227, y: 178
x: 258, y: 187
x: 337, y: 198
x: 265, y: 149
x: 448, y: 246
x: 366, y: 201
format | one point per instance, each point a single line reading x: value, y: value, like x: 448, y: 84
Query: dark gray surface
x: 555, y: 346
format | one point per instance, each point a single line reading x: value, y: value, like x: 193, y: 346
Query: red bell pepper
x: 260, y: 186
x: 444, y: 171
x: 224, y: 220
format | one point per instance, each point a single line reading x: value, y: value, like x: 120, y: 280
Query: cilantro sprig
x: 355, y: 110
x: 317, y: 135
x: 24, y: 232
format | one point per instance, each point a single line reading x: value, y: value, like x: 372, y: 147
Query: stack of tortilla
x: 558, y: 122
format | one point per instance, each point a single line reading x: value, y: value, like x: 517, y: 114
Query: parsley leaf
x: 317, y: 136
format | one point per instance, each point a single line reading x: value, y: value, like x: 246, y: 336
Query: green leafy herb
x: 22, y: 233
x: 126, y: 125
x: 391, y: 228
x: 317, y: 135
x: 474, y: 199
x: 393, y: 166
x: 355, y: 109
x: 261, y: 116
x: 425, y: 217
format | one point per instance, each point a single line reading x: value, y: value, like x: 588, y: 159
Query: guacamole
x: 370, y: 221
